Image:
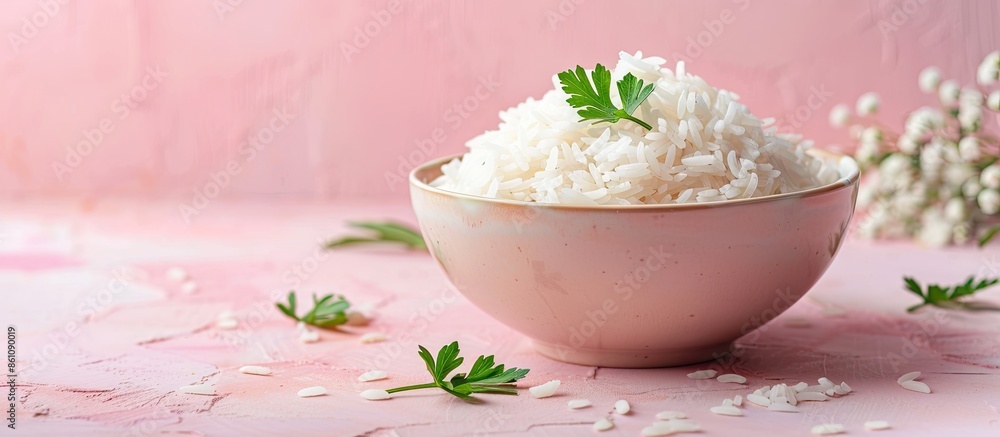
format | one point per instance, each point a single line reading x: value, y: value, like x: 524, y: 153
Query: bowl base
x: 631, y: 358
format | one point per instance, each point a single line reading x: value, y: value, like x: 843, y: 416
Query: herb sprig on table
x: 484, y: 377
x: 383, y: 232
x: 988, y: 235
x: 945, y: 296
x: 594, y: 100
x: 328, y: 311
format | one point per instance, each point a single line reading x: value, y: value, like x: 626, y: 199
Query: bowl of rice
x: 609, y: 244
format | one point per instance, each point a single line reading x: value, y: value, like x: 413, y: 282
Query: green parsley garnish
x: 327, y: 312
x: 594, y: 101
x: 384, y: 232
x: 990, y: 233
x: 484, y: 377
x: 947, y: 296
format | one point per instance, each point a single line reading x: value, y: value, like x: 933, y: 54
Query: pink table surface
x: 117, y: 370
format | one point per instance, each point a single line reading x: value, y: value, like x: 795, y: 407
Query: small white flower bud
x: 948, y: 93
x: 989, y: 201
x: 867, y: 104
x: 908, y: 145
x: 989, y: 71
x: 990, y: 177
x: 840, y: 115
x: 968, y: 149
x: 993, y: 101
x: 929, y: 79
x: 971, y: 188
x: 954, y: 210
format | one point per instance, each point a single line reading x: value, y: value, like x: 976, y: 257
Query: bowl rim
x: 844, y: 182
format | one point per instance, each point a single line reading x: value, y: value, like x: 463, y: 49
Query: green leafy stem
x: 484, y: 377
x: 593, y: 101
x: 383, y: 232
x: 327, y: 312
x: 945, y: 296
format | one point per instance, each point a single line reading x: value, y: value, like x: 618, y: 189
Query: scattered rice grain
x: 373, y: 375
x: 731, y: 378
x: 603, y: 425
x: 726, y: 410
x: 811, y: 396
x: 375, y: 395
x: 312, y: 391
x: 373, y: 337
x: 622, y: 407
x: 670, y: 415
x: 255, y: 370
x: 876, y: 425
x: 828, y: 429
x: 545, y: 390
x: 908, y: 377
x: 702, y: 374
x: 757, y: 399
x: 198, y: 389
x: 783, y: 407
x: 226, y: 323
x: 177, y: 274
x: 916, y: 386
x: 308, y: 336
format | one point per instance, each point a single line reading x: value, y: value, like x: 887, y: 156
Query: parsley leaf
x: 593, y: 101
x: 945, y: 296
x: 384, y: 232
x: 484, y: 376
x: 990, y: 233
x: 327, y: 312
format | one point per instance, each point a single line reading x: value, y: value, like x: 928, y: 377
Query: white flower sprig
x: 938, y: 180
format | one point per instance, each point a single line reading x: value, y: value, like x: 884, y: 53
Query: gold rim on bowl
x: 842, y: 183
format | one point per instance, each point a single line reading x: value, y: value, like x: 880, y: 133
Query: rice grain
x: 308, y: 336
x: 916, y: 386
x: 702, y: 374
x: 312, y: 391
x: 373, y: 375
x: 373, y: 337
x: 757, y: 399
x: 908, y: 377
x: 811, y: 396
x: 603, y: 425
x: 226, y: 323
x: 783, y: 407
x: 731, y: 378
x: 828, y: 429
x: 176, y: 274
x: 255, y: 370
x: 545, y: 390
x: 622, y: 407
x: 198, y: 389
x: 726, y: 410
x: 876, y: 425
x: 376, y: 395
x: 670, y: 415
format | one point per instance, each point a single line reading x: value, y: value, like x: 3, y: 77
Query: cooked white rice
x: 705, y: 146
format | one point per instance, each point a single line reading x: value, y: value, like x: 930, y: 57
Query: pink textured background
x: 358, y: 114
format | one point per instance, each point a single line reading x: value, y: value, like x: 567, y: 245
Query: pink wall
x: 356, y: 106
